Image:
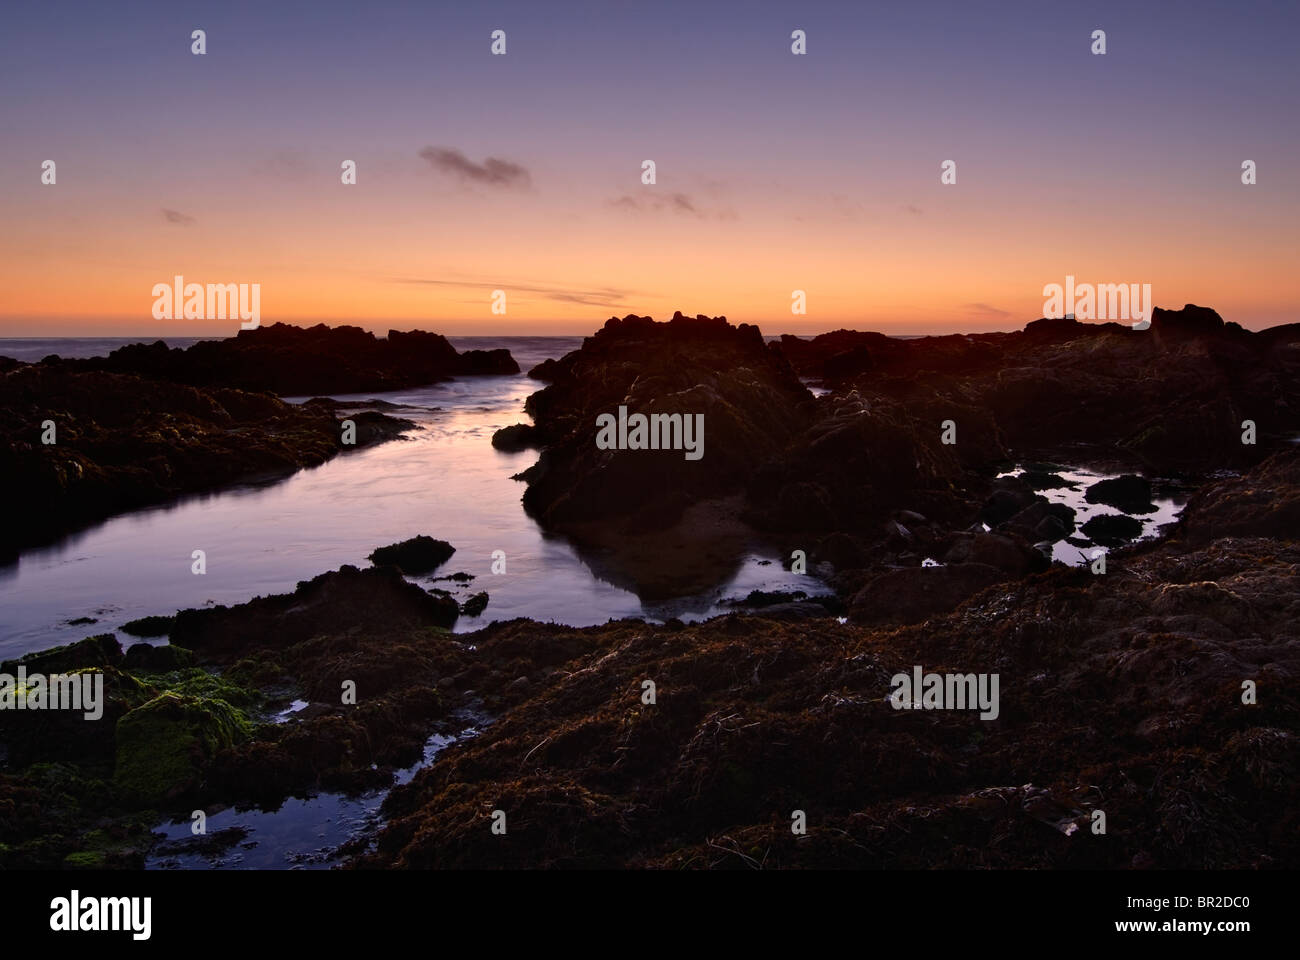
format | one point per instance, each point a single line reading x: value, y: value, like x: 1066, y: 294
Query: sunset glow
x: 775, y: 173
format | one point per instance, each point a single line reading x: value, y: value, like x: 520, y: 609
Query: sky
x: 522, y: 172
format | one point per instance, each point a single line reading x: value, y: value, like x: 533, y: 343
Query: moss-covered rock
x: 92, y: 652
x: 163, y: 745
x: 197, y: 682
x: 157, y: 659
x: 85, y: 860
x: 149, y: 627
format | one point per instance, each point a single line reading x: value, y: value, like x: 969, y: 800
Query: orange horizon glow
x: 775, y: 173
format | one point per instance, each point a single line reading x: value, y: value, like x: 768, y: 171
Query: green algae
x: 163, y: 745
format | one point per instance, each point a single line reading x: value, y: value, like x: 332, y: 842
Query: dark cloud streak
x: 492, y: 172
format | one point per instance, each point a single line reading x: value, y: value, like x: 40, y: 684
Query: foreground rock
x: 190, y: 723
x: 123, y: 442
x: 1120, y: 693
x: 298, y: 361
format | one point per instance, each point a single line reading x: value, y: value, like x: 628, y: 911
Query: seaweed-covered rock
x: 913, y: 594
x: 164, y: 745
x: 157, y: 659
x: 153, y: 626
x: 101, y: 650
x: 1264, y: 502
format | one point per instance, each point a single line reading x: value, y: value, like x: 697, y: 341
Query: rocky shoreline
x: 302, y: 361
x: 83, y: 440
x: 1159, y: 691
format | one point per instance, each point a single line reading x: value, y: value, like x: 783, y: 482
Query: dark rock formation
x: 519, y: 436
x: 775, y: 461
x: 1112, y: 529
x: 417, y: 555
x: 302, y: 361
x: 348, y: 598
x: 628, y: 507
x: 1119, y: 693
x: 751, y: 401
x: 1265, y: 502
x: 1169, y: 398
x: 123, y: 442
x: 1128, y: 493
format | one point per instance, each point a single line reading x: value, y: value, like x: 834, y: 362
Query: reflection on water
x: 303, y: 833
x: 1167, y: 509
x: 446, y: 481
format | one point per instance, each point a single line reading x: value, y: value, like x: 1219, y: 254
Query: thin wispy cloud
x: 986, y: 311
x: 679, y: 203
x: 492, y: 172
x: 596, y: 297
x: 291, y: 165
x: 178, y: 218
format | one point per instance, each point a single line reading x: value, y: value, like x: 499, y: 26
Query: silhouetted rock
x: 1112, y: 529
x: 331, y: 603
x: 300, y: 361
x: 1129, y: 493
x: 1170, y: 398
x: 519, y: 436
x: 148, y: 627
x: 475, y: 605
x: 414, y: 556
